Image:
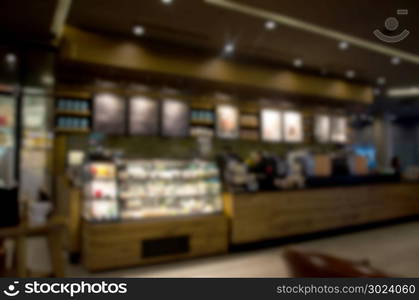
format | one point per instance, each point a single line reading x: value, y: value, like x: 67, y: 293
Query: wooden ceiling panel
x: 198, y: 24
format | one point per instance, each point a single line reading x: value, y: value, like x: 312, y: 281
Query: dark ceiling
x: 199, y: 24
x: 27, y: 20
x: 26, y: 34
x: 196, y: 23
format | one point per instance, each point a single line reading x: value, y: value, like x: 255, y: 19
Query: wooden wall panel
x: 87, y: 47
x: 270, y: 215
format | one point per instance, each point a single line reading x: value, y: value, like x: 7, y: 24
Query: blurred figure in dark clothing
x: 264, y: 166
x: 395, y: 164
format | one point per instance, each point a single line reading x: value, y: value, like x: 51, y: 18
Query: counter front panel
x: 269, y: 215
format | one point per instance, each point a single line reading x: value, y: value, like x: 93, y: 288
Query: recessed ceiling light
x: 381, y: 80
x: 350, y: 73
x: 229, y: 48
x: 298, y: 62
x: 343, y: 45
x: 10, y: 58
x: 138, y: 30
x: 167, y: 1
x: 47, y: 79
x: 270, y: 25
x: 395, y: 60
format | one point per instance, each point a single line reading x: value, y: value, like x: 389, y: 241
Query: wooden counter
x: 269, y: 215
x: 123, y: 244
x: 53, y: 229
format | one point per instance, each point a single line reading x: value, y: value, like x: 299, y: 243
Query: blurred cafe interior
x: 209, y: 138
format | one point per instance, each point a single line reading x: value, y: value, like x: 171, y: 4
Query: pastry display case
x: 158, y: 188
x: 101, y: 193
x: 150, y: 211
x: 139, y: 189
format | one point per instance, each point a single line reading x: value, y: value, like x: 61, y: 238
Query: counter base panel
x: 124, y: 244
x: 270, y: 215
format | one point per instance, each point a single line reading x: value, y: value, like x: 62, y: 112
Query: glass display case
x: 155, y: 188
x: 140, y: 189
x: 101, y: 193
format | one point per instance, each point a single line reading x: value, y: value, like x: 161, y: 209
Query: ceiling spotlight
x: 10, y: 58
x: 343, y: 45
x: 381, y: 80
x: 138, y: 30
x: 47, y: 79
x: 350, y: 74
x: 270, y: 25
x: 298, y: 62
x: 229, y: 48
x: 167, y: 1
x: 395, y: 60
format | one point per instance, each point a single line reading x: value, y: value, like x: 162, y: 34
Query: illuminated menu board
x: 322, y: 128
x: 175, y: 118
x: 227, y: 121
x: 109, y: 114
x: 339, y: 130
x: 293, y: 127
x: 144, y: 116
x: 271, y: 125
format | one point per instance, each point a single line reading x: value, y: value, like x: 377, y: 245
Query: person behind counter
x: 234, y: 171
x: 225, y: 160
x: 395, y: 164
x: 265, y: 167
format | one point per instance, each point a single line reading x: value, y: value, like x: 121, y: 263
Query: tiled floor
x: 393, y: 249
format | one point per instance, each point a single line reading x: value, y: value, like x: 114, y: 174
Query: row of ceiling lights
x: 229, y: 49
x: 139, y: 30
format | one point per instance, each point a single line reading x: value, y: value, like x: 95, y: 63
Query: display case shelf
x: 177, y: 178
x: 72, y: 130
x: 249, y: 126
x: 171, y: 196
x: 73, y: 113
x: 174, y: 188
x: 202, y: 123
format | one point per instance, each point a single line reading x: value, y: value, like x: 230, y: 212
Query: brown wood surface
x: 269, y: 215
x: 87, y: 47
x: 53, y: 230
x: 75, y: 222
x: 116, y: 245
